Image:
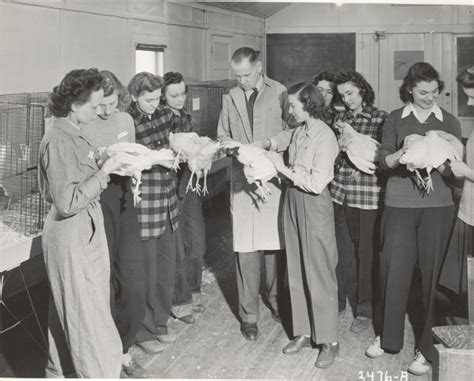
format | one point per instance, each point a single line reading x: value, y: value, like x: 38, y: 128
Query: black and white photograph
x: 237, y: 190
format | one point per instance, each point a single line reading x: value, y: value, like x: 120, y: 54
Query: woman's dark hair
x: 324, y: 76
x: 365, y: 89
x: 419, y: 72
x: 311, y: 98
x: 171, y: 78
x: 112, y: 85
x: 466, y: 77
x: 144, y: 81
x: 76, y: 87
x: 329, y: 77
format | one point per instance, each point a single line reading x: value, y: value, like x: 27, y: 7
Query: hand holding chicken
x: 427, y: 152
x: 460, y: 169
x: 362, y: 150
x: 198, y: 152
x: 258, y: 168
x: 136, y: 158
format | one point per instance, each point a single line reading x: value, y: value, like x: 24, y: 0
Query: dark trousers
x: 192, y: 247
x: 160, y: 268
x: 357, y: 236
x: 248, y: 268
x: 411, y: 236
x: 127, y: 285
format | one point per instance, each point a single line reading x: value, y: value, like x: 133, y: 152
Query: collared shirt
x: 181, y: 122
x: 401, y: 190
x: 410, y: 109
x: 351, y: 186
x: 158, y: 189
x: 311, y: 155
x: 258, y: 86
x: 68, y: 173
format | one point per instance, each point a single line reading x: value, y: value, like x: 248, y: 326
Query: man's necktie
x: 250, y: 105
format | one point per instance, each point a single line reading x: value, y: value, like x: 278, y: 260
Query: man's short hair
x: 245, y: 52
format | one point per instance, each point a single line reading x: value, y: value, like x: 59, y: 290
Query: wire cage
x: 204, y: 102
x: 22, y: 209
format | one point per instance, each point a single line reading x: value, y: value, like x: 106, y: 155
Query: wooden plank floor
x: 213, y: 347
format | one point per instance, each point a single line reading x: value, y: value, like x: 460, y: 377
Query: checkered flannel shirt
x: 158, y: 189
x: 351, y: 186
x: 181, y: 122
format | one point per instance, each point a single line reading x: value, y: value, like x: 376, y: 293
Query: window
x: 149, y: 58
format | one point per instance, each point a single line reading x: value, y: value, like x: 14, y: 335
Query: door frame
x: 467, y: 123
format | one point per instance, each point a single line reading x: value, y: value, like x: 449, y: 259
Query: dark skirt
x: 453, y: 274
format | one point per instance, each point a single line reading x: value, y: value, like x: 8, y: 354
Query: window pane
x: 145, y: 61
x: 160, y: 63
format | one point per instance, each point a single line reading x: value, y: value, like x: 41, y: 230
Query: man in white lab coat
x: 254, y: 110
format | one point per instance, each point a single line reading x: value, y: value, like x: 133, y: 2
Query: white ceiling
x: 260, y: 9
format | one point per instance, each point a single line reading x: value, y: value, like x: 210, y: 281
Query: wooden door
x: 220, y: 57
x: 380, y: 61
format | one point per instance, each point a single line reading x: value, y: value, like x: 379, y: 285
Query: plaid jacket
x: 355, y: 188
x: 158, y: 188
x: 181, y: 122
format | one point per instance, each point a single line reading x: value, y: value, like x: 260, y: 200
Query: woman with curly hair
x: 308, y: 223
x: 189, y: 261
x: 358, y: 199
x: 324, y: 82
x: 415, y: 226
x: 82, y: 335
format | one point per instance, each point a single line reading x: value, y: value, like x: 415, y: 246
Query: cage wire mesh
x: 22, y: 125
x: 204, y: 102
x: 22, y: 209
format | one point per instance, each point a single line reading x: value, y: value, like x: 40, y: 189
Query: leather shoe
x: 133, y: 370
x: 152, y: 346
x: 327, y: 355
x: 167, y: 338
x: 360, y: 323
x: 249, y: 330
x: 188, y: 319
x: 296, y: 345
x: 198, y: 308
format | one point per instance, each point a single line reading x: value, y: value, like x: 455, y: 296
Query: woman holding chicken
x: 308, y: 223
x: 415, y: 225
x: 189, y: 264
x: 83, y: 339
x: 157, y: 212
x: 358, y: 197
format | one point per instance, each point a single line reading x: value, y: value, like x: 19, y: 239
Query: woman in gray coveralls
x: 83, y: 339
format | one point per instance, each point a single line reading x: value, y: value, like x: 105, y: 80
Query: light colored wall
x: 359, y: 18
x: 428, y: 28
x: 41, y: 40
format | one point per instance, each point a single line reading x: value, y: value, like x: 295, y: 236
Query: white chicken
x: 427, y: 152
x: 258, y: 168
x: 198, y: 152
x: 362, y: 150
x: 138, y: 157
